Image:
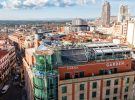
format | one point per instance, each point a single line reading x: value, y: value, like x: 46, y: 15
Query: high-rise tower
x: 123, y: 13
x: 106, y: 14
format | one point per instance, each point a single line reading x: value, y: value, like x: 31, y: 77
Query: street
x: 14, y: 93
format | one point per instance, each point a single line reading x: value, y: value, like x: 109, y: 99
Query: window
x: 81, y: 96
x: 126, y: 89
x: 67, y: 75
x: 115, y: 70
x: 125, y: 97
x: 107, y: 99
x: 76, y: 75
x: 81, y: 86
x: 64, y: 97
x: 114, y: 98
x: 115, y: 90
x: 101, y: 72
x: 108, y: 54
x: 127, y: 81
x: 94, y: 94
x: 116, y: 82
x: 64, y: 89
x: 81, y: 74
x: 108, y: 82
x: 94, y: 85
x: 108, y: 92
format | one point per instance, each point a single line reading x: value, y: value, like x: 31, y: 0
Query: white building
x: 131, y: 33
x: 77, y: 25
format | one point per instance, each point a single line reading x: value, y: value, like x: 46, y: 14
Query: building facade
x: 4, y: 67
x: 7, y: 61
x: 104, y: 79
x: 77, y: 25
x: 120, y: 28
x: 91, y: 71
x: 131, y: 34
x: 109, y: 87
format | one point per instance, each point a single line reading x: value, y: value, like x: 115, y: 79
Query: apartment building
x: 107, y: 87
x: 7, y: 60
x: 4, y: 66
x: 105, y: 78
x: 90, y: 71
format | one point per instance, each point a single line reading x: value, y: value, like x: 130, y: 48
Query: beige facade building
x: 108, y: 87
x: 120, y: 28
x: 28, y: 62
x: 28, y: 80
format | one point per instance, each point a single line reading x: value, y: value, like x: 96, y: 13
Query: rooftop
x: 76, y: 54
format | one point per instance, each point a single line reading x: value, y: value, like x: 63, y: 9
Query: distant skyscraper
x: 123, y: 13
x: 106, y: 14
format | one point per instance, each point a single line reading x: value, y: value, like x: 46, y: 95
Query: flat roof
x: 99, y: 44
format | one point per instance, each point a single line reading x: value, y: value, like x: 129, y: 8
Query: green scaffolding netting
x: 40, y: 60
x: 43, y: 85
x: 40, y: 93
x: 39, y: 82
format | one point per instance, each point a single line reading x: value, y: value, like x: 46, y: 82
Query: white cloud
x: 42, y: 3
x: 93, y: 1
x: 35, y: 2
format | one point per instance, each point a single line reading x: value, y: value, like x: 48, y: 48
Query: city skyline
x: 44, y: 9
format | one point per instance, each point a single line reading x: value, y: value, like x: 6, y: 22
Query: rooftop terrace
x: 76, y: 54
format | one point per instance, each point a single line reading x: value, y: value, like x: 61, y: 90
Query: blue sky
x: 43, y: 9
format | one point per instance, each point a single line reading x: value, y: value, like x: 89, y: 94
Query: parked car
x: 4, y: 89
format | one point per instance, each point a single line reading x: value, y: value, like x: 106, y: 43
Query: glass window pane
x: 126, y: 89
x: 115, y: 90
x: 64, y: 89
x: 114, y: 98
x: 116, y: 82
x: 127, y: 80
x: 81, y: 86
x: 108, y: 82
x: 94, y: 85
x: 67, y: 75
x: 81, y: 74
x: 64, y: 97
x: 108, y: 92
x: 81, y: 96
x: 94, y: 94
x: 107, y: 99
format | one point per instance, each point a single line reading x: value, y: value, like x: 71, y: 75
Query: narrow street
x: 15, y: 92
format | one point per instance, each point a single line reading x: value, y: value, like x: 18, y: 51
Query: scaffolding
x: 45, y: 77
x: 77, y: 55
